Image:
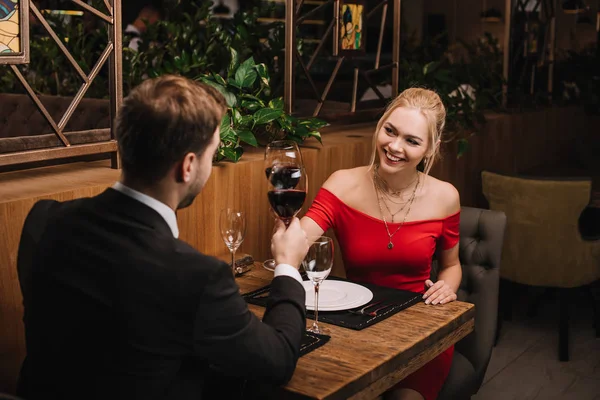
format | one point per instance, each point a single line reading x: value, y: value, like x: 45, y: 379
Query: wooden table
x: 363, y: 364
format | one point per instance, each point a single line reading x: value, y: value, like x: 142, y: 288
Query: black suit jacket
x: 118, y: 308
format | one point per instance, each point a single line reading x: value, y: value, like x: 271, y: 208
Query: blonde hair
x: 431, y: 107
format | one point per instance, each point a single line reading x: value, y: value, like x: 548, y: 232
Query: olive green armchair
x: 543, y: 246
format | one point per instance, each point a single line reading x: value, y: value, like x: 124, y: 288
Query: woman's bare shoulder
x: 344, y: 181
x: 444, y: 194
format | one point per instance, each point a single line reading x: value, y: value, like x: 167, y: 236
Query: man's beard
x: 190, y: 196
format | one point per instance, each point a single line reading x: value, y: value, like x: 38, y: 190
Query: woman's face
x: 403, y: 140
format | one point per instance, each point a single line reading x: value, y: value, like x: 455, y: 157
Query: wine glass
x: 287, y: 190
x: 317, y: 264
x: 232, y: 224
x: 280, y: 152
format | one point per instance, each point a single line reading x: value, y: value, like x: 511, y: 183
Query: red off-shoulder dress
x: 363, y: 241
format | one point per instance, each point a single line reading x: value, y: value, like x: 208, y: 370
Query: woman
x: 390, y: 219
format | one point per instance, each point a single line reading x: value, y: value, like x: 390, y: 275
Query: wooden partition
x: 509, y: 143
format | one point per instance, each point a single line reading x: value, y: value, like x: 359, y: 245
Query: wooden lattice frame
x: 293, y: 19
x: 112, y: 53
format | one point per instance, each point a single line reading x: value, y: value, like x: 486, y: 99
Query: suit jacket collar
x: 120, y: 203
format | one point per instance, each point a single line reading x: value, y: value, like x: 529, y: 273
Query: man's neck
x: 157, y: 192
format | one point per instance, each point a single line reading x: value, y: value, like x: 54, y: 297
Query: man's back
x: 122, y: 309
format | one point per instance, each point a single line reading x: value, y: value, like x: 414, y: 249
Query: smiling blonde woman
x: 390, y: 219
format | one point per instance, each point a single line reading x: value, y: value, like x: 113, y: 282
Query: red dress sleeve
x: 450, y: 231
x: 323, y: 209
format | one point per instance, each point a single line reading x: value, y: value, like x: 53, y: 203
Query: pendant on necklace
x: 390, y: 245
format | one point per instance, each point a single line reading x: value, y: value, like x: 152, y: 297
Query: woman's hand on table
x: 438, y: 293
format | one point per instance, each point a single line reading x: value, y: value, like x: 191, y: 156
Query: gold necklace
x: 390, y: 245
x: 390, y: 211
x: 383, y: 186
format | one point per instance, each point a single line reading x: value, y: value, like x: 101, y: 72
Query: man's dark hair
x: 163, y: 119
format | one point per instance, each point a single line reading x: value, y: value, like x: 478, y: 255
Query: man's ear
x: 186, y: 169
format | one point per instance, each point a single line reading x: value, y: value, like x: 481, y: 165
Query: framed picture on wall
x: 351, y: 27
x: 14, y: 31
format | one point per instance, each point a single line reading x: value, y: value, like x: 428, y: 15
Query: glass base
x: 269, y: 265
x: 315, y: 329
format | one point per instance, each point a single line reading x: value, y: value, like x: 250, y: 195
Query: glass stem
x: 317, y: 306
x: 233, y: 261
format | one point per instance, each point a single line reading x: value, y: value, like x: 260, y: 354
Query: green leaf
x: 316, y: 135
x: 314, y: 123
x: 219, y: 79
x: 229, y: 97
x: 263, y: 72
x: 432, y: 66
x: 245, y: 76
x: 266, y: 115
x: 226, y: 133
x: 237, y: 117
x: 248, y: 137
x: 251, y: 105
x: 246, y: 120
x: 276, y: 103
x: 230, y: 154
x: 233, y: 64
x: 238, y: 153
x: 249, y: 63
x: 252, y: 97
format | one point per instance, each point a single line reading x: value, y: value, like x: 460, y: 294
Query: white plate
x: 336, y: 295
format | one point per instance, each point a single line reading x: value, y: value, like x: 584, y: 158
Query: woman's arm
x: 449, y: 277
x: 312, y: 229
x: 324, y: 209
x: 450, y: 270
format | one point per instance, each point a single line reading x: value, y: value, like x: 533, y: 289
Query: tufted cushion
x: 480, y: 247
x: 481, y: 239
x: 19, y: 116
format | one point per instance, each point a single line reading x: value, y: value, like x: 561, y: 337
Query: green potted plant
x: 254, y: 115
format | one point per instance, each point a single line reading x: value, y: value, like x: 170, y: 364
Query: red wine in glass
x: 286, y: 203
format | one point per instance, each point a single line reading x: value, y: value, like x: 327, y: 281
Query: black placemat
x: 312, y: 341
x: 397, y: 300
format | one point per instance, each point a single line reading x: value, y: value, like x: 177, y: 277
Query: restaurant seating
x: 543, y: 245
x: 480, y: 247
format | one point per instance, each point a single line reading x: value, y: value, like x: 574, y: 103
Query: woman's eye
x: 413, y: 142
x: 388, y: 130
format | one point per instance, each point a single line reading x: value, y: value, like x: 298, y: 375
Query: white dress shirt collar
x: 165, y: 211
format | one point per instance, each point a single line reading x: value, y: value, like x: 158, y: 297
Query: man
x: 147, y: 16
x: 118, y: 307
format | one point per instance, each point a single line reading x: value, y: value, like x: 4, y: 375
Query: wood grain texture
x: 363, y: 364
x: 507, y: 144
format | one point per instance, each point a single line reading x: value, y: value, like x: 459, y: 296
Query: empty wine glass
x: 317, y: 264
x: 232, y: 224
x: 281, y: 152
